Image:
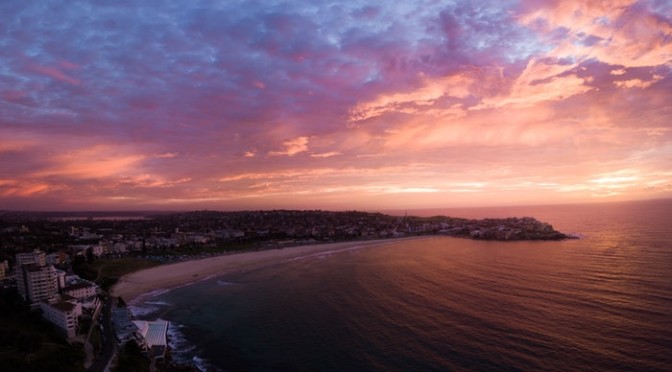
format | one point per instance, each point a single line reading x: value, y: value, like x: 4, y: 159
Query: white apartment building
x: 63, y: 315
x: 36, y: 257
x: 60, y: 278
x: 36, y: 283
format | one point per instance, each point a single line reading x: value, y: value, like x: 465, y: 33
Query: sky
x: 354, y: 104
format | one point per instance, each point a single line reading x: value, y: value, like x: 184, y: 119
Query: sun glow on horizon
x: 358, y: 106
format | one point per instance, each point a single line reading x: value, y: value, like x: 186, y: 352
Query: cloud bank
x: 264, y: 104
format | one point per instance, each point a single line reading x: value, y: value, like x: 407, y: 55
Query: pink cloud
x: 430, y: 91
x: 23, y: 189
x: 67, y: 65
x: 637, y: 83
x: 627, y: 34
x: 325, y: 154
x: 99, y: 161
x: 540, y: 81
x: 292, y: 147
x: 150, y: 181
x: 462, y: 102
x: 55, y: 74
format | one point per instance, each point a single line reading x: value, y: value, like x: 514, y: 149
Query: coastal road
x: 109, y: 347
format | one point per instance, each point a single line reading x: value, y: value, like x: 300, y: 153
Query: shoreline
x: 143, y: 283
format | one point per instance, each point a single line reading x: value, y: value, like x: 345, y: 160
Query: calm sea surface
x: 600, y: 303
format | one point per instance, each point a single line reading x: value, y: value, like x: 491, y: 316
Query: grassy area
x: 108, y: 272
x: 116, y: 268
x: 196, y: 249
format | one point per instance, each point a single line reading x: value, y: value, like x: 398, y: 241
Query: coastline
x: 135, y: 285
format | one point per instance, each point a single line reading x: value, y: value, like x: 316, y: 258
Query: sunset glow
x: 306, y: 105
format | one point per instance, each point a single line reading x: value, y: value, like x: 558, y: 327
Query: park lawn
x: 118, y: 267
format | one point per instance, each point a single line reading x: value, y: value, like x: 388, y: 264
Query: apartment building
x: 36, y: 283
x: 36, y: 257
x: 63, y: 314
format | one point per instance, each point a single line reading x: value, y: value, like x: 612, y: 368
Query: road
x: 109, y: 347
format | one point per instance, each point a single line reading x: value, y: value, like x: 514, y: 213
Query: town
x: 60, y: 266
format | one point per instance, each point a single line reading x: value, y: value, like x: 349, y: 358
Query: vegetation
x: 107, y: 272
x: 116, y: 268
x: 96, y: 339
x: 27, y: 343
x: 131, y: 359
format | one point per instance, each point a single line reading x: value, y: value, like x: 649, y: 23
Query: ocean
x: 603, y: 302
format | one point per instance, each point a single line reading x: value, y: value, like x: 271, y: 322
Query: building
x: 60, y: 278
x: 36, y: 257
x: 36, y: 283
x: 63, y: 314
x: 82, y: 249
x: 81, y: 290
x: 152, y: 336
x: 4, y: 268
x: 56, y: 258
x: 124, y: 328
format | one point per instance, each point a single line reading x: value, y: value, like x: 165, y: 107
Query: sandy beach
x: 133, y: 285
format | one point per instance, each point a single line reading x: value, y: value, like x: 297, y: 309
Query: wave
x: 186, y: 353
x: 164, y: 303
x: 149, y: 295
x: 330, y: 253
x: 224, y: 282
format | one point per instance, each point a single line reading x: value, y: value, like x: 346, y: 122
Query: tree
x: 131, y: 358
x: 89, y: 255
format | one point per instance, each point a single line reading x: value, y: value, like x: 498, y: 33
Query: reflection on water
x: 602, y: 302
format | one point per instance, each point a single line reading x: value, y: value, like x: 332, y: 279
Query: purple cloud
x: 351, y: 89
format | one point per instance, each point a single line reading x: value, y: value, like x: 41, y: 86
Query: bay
x: 602, y: 302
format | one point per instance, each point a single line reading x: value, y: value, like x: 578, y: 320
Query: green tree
x: 131, y: 359
x: 89, y: 255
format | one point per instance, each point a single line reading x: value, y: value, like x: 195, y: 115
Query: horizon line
x: 168, y: 211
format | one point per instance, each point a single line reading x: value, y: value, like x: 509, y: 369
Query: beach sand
x: 133, y: 285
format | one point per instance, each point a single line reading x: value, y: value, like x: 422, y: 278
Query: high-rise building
x: 36, y: 257
x: 36, y: 283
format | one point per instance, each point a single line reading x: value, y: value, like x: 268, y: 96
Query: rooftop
x: 154, y: 332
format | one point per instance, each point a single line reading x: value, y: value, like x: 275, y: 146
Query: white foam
x: 142, y: 310
x: 328, y: 254
x: 201, y: 364
x: 163, y: 303
x: 184, y: 352
x: 149, y: 295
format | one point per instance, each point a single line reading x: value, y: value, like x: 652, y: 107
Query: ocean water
x: 603, y: 302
